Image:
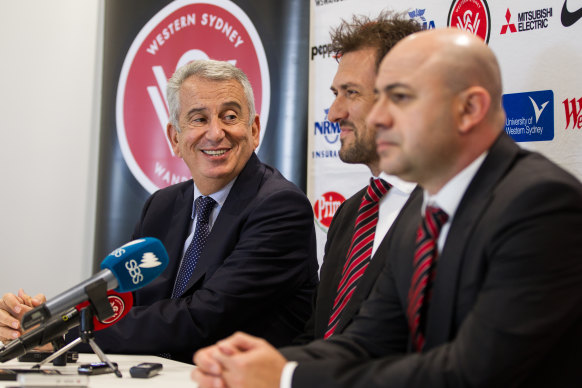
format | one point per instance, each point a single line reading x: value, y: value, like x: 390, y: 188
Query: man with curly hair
x: 355, y: 250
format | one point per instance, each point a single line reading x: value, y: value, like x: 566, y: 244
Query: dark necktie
x: 360, y: 252
x: 424, y: 266
x: 204, y: 206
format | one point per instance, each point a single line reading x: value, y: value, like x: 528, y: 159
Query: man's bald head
x: 459, y: 58
x: 438, y: 105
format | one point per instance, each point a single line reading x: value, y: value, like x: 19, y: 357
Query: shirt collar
x: 219, y: 196
x: 397, y: 183
x: 449, y: 197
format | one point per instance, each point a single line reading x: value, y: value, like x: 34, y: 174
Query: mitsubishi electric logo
x: 509, y: 25
x: 569, y: 18
x: 530, y: 115
x: 527, y: 20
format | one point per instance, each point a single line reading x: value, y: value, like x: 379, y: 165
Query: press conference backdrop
x: 146, y: 41
x: 539, y: 49
x: 51, y: 95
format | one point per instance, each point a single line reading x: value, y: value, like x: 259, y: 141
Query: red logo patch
x: 118, y: 308
x: 183, y: 31
x: 472, y: 16
x: 325, y: 207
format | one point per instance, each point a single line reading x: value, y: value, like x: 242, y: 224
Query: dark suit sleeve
x: 271, y: 268
x: 526, y: 315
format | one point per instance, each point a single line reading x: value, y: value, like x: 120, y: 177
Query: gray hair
x: 210, y: 70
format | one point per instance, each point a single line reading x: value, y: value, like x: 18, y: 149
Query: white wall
x: 50, y: 71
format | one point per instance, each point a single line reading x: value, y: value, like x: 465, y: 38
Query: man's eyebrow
x: 345, y: 86
x: 194, y: 111
x: 232, y: 105
x: 390, y: 87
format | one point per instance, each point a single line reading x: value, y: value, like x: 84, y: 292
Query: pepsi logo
x: 183, y: 31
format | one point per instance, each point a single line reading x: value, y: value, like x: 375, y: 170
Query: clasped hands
x: 239, y: 361
x: 12, y: 308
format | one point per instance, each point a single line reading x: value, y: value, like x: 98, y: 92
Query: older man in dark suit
x: 240, y: 237
x: 483, y: 289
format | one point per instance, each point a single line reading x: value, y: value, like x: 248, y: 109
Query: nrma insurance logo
x: 530, y: 115
x: 418, y: 15
x: 330, y: 131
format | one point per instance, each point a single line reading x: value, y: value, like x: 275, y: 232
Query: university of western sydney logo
x: 472, y: 16
x: 183, y: 31
x: 529, y: 115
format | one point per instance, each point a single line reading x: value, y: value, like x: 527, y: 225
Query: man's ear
x: 256, y: 131
x: 172, y: 134
x: 472, y: 107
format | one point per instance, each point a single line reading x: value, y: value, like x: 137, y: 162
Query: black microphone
x: 58, y: 326
x: 128, y: 268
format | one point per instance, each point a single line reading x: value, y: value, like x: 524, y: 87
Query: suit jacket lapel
x: 472, y: 205
x: 375, y: 267
x: 177, y: 227
x: 337, y: 256
x: 243, y: 191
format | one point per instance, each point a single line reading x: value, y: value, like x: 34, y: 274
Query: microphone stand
x: 99, y: 302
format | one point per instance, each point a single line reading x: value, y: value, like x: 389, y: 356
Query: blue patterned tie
x: 204, y: 206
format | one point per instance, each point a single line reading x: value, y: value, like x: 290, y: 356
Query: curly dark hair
x: 382, y: 33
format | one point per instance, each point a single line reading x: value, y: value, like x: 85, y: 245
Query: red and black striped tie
x: 425, y: 258
x: 360, y: 251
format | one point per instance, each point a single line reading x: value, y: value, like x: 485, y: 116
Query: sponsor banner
x: 529, y: 116
x: 183, y: 31
x: 146, y: 41
x: 536, y: 49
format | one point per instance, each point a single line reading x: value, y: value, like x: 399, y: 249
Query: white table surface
x: 173, y: 374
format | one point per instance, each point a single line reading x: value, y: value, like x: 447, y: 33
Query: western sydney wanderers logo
x: 183, y: 31
x: 472, y: 16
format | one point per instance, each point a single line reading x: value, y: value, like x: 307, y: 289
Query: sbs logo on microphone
x: 134, y: 271
x: 148, y: 260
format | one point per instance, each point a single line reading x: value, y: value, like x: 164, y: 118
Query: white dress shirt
x: 448, y: 199
x: 388, y: 209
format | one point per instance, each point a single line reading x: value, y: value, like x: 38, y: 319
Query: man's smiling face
x: 216, y: 136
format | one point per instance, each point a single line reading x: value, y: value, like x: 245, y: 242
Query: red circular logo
x: 325, y: 207
x: 118, y: 307
x: 472, y: 16
x: 183, y: 31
